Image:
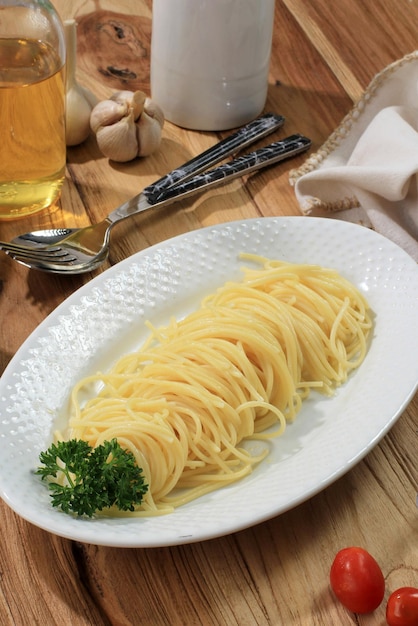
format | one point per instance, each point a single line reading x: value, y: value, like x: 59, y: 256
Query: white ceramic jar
x: 210, y: 60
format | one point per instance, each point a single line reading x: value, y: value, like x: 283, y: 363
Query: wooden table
x: 324, y: 55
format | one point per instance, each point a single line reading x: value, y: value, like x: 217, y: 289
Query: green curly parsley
x: 94, y: 478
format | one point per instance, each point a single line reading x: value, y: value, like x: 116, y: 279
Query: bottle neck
x: 32, y: 20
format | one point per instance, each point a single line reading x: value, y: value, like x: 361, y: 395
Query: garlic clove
x: 119, y: 141
x: 106, y: 113
x: 131, y: 100
x: 122, y: 97
x: 148, y: 134
x: 91, y: 98
x: 77, y: 118
x: 154, y: 111
x: 149, y: 128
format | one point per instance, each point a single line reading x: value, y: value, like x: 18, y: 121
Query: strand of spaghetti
x: 271, y: 409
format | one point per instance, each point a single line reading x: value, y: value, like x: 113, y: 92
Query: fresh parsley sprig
x: 94, y: 478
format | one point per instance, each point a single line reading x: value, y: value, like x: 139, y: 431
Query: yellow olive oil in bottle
x: 32, y: 107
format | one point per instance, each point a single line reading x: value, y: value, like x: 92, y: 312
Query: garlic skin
x: 127, y: 125
x: 77, y: 118
x: 79, y: 101
x: 118, y: 140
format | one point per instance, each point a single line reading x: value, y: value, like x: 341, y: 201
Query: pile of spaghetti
x: 235, y: 370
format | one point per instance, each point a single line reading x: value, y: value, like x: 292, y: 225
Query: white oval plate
x: 105, y: 319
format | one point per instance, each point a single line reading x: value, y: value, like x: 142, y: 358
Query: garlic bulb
x: 79, y: 101
x: 127, y: 125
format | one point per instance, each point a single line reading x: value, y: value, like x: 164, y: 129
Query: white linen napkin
x: 367, y: 170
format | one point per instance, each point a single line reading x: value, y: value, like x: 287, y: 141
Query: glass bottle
x: 32, y: 107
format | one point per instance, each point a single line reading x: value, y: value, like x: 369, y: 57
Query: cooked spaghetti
x: 234, y: 371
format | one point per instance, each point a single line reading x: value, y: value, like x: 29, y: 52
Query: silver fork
x: 246, y: 135
x: 21, y: 248
x: 87, y: 248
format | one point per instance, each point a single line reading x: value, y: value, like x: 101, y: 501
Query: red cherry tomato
x: 402, y: 607
x: 357, y: 580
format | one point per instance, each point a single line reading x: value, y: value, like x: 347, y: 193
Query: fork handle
x: 258, y: 128
x: 245, y: 164
x: 273, y: 153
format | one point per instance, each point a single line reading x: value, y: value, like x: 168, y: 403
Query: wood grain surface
x: 324, y: 55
